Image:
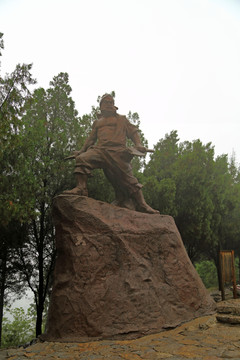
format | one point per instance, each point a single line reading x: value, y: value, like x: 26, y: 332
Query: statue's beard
x: 109, y: 112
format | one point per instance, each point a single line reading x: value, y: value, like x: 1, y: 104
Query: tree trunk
x: 217, y: 263
x: 2, y: 291
x: 238, y: 270
x: 39, y: 320
x: 40, y: 305
x: 41, y: 297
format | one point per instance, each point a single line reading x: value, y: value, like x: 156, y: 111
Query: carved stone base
x: 119, y: 273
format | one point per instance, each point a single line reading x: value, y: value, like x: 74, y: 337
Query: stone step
x: 230, y: 319
x: 228, y: 311
x: 229, y: 307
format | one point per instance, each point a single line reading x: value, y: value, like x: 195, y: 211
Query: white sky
x: 175, y: 62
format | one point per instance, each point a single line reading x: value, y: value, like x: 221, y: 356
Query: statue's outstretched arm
x: 135, y: 137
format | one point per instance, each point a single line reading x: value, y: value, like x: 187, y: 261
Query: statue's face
x: 107, y: 105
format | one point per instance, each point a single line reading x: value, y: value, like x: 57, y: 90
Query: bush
x: 19, y: 330
x: 208, y: 273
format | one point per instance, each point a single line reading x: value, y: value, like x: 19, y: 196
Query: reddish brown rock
x: 119, y: 273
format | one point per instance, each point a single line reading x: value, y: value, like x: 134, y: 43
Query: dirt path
x: 202, y: 338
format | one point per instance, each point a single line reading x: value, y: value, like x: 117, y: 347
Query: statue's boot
x: 142, y: 206
x: 76, y: 191
x: 81, y: 188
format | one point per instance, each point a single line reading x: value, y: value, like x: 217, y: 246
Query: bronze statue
x: 106, y: 149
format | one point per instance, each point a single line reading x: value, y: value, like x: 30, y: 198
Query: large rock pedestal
x: 119, y: 273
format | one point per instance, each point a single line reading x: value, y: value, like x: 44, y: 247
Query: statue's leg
x: 141, y: 203
x: 112, y: 178
x: 81, y: 186
x: 85, y: 163
x: 127, y: 188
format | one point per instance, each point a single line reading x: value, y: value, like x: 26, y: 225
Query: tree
x: 194, y: 203
x: 158, y: 176
x: 51, y: 132
x: 201, y: 193
x: 15, y: 201
x: 179, y: 175
x: 225, y: 224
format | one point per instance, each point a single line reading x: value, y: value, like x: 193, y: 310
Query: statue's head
x: 107, y: 105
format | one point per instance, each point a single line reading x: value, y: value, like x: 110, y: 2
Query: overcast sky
x: 175, y: 62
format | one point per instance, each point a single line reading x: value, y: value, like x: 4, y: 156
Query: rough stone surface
x: 231, y: 319
x: 119, y: 273
x: 229, y: 307
x: 228, y: 311
x: 200, y: 339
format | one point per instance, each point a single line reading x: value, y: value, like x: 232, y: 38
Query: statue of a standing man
x: 106, y: 149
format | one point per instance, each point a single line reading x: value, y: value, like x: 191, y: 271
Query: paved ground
x: 202, y: 338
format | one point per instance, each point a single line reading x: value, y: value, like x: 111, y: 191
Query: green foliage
x: 16, y: 204
x: 51, y: 132
x: 225, y: 224
x: 194, y: 202
x: 160, y: 194
x: 15, y: 200
x: 20, y: 330
x: 202, y: 193
x: 162, y: 161
x: 1, y: 43
x: 208, y: 273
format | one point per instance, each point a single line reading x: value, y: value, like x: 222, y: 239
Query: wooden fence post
x: 227, y: 271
